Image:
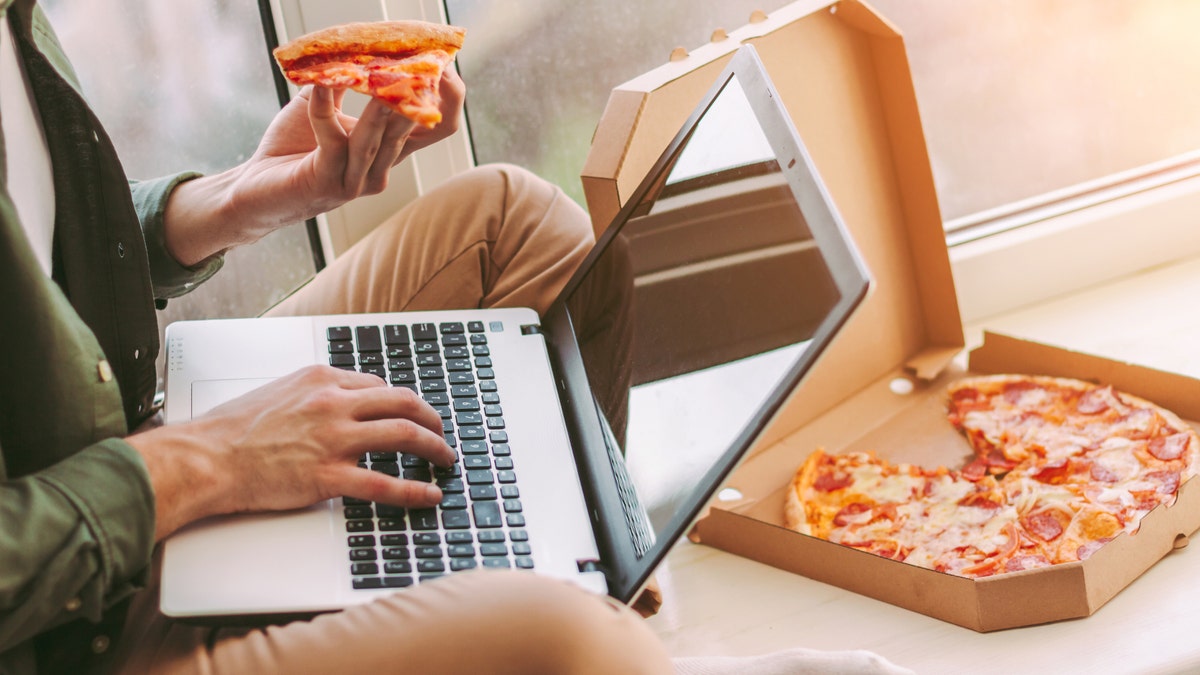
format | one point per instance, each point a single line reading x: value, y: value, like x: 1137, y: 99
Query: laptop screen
x: 706, y: 300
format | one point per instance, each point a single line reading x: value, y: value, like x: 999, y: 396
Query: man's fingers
x: 323, y: 106
x: 397, y: 435
x: 365, y: 142
x: 391, y: 147
x: 378, y: 487
x: 396, y: 402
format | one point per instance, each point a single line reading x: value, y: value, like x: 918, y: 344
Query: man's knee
x: 579, y: 632
x: 528, y: 202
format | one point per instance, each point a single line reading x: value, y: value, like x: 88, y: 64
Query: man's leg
x: 472, y: 622
x: 495, y: 236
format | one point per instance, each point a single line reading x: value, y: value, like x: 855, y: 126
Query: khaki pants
x: 494, y: 236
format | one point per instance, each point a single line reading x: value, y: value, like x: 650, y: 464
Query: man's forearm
x: 200, y: 220
x: 186, y: 475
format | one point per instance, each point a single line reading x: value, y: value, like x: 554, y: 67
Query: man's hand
x: 312, y: 158
x: 289, y: 444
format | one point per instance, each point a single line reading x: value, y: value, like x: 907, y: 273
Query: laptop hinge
x: 587, y: 565
x: 531, y: 329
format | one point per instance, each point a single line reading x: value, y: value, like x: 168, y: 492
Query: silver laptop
x: 588, y: 439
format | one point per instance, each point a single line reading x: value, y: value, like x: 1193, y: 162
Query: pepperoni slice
x: 1025, y: 562
x: 1053, y: 472
x: 1170, y: 447
x: 1094, y: 401
x: 1043, y: 526
x: 1168, y: 481
x: 1015, y: 391
x: 848, y: 511
x: 828, y: 482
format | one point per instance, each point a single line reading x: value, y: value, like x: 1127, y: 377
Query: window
x: 187, y: 86
x: 1025, y: 103
x: 538, y: 79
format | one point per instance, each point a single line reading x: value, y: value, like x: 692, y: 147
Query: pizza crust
x: 376, y: 37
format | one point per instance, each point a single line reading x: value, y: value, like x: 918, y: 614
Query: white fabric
x: 790, y: 662
x: 30, y: 177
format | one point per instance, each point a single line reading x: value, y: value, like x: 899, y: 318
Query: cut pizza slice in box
x: 842, y: 72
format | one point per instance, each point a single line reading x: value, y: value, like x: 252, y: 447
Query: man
x: 88, y: 486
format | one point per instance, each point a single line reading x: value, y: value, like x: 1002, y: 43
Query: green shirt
x: 77, y: 359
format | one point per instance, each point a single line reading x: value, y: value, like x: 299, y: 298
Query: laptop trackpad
x: 208, y: 394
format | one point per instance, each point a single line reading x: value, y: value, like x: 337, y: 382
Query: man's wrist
x: 189, y: 477
x: 200, y: 219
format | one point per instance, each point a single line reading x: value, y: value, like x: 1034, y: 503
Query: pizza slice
x: 397, y: 62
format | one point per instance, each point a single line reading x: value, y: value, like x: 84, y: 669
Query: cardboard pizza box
x: 842, y: 72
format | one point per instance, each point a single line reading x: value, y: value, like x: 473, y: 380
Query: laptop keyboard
x: 479, y: 522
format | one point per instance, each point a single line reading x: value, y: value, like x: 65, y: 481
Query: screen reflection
x: 700, y: 305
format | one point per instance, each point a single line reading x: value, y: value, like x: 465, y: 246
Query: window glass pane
x: 1023, y: 97
x: 187, y: 86
x: 539, y: 72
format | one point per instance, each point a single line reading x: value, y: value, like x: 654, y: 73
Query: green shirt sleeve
x: 170, y: 279
x: 74, y: 539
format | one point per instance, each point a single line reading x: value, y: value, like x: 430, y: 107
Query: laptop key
x: 474, y: 448
x: 362, y: 554
x: 393, y: 540
x: 397, y: 567
x: 451, y: 485
x: 424, y: 332
x: 491, y: 536
x: 453, y: 501
x: 518, y: 535
x: 431, y: 566
x: 493, y: 549
x: 455, y: 520
x: 389, y: 511
x: 425, y: 552
x: 525, y: 562
x: 487, y: 514
x: 391, y: 524
x: 426, y: 538
x: 521, y: 548
x: 395, y: 553
x: 395, y: 335
x: 361, y: 540
x: 459, y: 537
x: 368, y: 339
x: 338, y: 333
x: 389, y: 468
x: 397, y: 582
x: 461, y: 551
x: 423, y: 519
x: 367, y: 582
x: 360, y: 525
x: 364, y: 568
x: 496, y: 562
x: 480, y: 477
x: 481, y: 493
x: 461, y: 564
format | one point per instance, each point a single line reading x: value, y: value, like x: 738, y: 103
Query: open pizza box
x: 842, y: 72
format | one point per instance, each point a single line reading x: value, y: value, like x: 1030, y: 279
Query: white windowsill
x: 1077, y: 249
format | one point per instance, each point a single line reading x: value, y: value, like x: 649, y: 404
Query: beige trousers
x: 494, y: 236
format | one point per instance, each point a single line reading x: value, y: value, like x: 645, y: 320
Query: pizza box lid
x: 842, y: 72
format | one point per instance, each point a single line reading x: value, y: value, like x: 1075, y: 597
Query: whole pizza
x: 1059, y: 467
